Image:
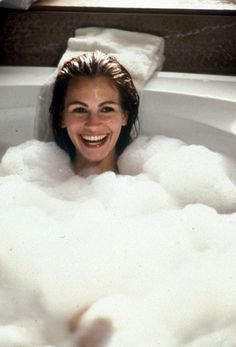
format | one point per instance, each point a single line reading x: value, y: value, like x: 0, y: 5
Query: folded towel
x: 140, y: 53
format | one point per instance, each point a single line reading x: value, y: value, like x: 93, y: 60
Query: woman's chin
x: 94, y: 158
x: 94, y: 154
x: 96, y: 161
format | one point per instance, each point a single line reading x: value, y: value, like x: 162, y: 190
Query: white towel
x: 141, y: 54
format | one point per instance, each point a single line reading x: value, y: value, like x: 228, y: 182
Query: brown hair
x: 94, y: 64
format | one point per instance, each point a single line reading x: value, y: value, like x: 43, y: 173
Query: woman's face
x: 93, y: 117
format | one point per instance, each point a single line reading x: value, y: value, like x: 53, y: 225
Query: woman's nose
x: 93, y: 119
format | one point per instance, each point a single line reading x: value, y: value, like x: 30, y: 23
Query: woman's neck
x: 85, y: 168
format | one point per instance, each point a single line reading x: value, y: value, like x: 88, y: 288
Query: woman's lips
x: 94, y: 140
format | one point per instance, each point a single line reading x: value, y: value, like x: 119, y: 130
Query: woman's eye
x: 107, y: 109
x: 79, y: 110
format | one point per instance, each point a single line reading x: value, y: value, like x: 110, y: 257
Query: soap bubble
x: 143, y: 258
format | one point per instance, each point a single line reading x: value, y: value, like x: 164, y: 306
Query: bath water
x: 146, y: 257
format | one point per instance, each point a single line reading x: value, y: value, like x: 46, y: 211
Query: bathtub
x: 198, y: 109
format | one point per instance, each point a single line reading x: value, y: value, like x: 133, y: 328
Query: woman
x: 94, y: 110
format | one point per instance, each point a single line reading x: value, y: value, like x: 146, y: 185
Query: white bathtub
x: 199, y: 109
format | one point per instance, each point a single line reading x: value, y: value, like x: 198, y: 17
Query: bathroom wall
x: 198, y: 40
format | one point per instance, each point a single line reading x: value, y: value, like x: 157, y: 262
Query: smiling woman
x: 93, y: 118
x: 93, y: 111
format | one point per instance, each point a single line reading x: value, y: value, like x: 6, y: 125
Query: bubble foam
x: 144, y: 258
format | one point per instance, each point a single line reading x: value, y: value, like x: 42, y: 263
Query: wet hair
x: 94, y: 64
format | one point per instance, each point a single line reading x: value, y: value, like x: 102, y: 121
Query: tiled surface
x: 197, y: 43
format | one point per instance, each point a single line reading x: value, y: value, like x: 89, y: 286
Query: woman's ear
x: 125, y: 119
x: 63, y: 125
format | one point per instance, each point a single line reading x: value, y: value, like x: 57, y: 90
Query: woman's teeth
x: 94, y: 139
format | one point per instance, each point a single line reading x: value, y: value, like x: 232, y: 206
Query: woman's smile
x: 94, y: 139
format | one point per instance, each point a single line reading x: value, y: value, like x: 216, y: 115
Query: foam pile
x: 146, y: 257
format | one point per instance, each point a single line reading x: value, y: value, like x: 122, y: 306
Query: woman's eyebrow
x: 76, y: 102
x: 109, y: 102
